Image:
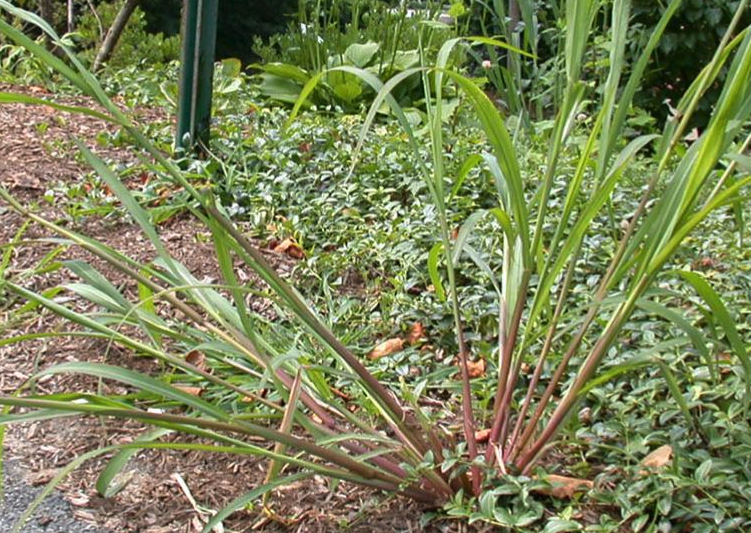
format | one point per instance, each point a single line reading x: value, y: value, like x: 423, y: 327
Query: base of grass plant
x: 391, y: 442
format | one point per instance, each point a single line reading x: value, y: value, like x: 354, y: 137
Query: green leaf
x: 231, y: 67
x: 559, y: 525
x: 118, y: 462
x: 140, y: 381
x: 348, y: 91
x: 434, y: 257
x: 702, y: 472
x: 243, y: 501
x: 722, y: 316
x: 279, y: 88
x: 14, y: 98
x: 360, y: 55
x: 285, y: 71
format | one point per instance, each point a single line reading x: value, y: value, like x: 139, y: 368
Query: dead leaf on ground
x: 42, y: 477
x: 658, y: 458
x: 416, y: 333
x: 343, y: 395
x: 385, y: 348
x: 193, y: 391
x: 482, y: 435
x: 563, y: 487
x: 196, y: 359
x: 291, y: 248
x: 476, y: 369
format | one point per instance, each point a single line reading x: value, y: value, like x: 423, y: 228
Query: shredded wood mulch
x: 165, y: 491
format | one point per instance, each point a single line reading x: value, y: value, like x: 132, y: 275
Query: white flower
x: 487, y: 64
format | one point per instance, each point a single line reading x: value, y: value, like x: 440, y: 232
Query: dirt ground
x: 37, y: 154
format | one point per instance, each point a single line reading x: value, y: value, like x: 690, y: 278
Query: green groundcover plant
x: 394, y: 442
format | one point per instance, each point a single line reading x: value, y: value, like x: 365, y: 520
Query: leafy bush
x: 239, y: 24
x: 136, y: 45
x: 366, y: 34
x: 688, y: 44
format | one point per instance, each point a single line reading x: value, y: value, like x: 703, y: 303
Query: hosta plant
x: 551, y: 344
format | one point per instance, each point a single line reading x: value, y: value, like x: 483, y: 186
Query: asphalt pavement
x: 55, y: 515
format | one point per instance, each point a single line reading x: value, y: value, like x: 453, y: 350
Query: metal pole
x: 196, y: 73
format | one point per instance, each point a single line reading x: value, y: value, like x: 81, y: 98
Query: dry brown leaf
x: 193, y: 391
x: 658, y: 458
x: 416, y: 333
x: 291, y: 248
x: 342, y: 395
x: 79, y: 500
x: 43, y: 476
x: 565, y: 487
x: 196, y: 359
x: 387, y: 347
x: 476, y: 369
x: 482, y: 436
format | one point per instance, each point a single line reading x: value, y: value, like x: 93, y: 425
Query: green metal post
x: 196, y: 73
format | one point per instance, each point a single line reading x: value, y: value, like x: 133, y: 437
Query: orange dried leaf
x: 416, y: 332
x: 476, y: 369
x: 342, y: 395
x: 386, y: 348
x: 291, y: 248
x: 565, y: 487
x: 196, y: 359
x: 482, y: 436
x: 658, y: 458
x: 193, y: 391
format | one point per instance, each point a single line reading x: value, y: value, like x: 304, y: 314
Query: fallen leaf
x: 416, y: 332
x: 43, y: 476
x: 291, y: 248
x: 386, y: 348
x: 81, y: 500
x: 658, y: 458
x: 193, y: 391
x: 196, y: 359
x: 342, y: 395
x: 563, y: 487
x: 693, y: 135
x: 482, y: 436
x: 476, y: 369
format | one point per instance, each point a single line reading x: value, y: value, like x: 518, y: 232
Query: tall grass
x: 393, y: 444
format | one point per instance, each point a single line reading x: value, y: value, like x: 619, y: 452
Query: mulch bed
x: 37, y: 153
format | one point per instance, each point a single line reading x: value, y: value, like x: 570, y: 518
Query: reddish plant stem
x: 508, y: 350
x: 526, y: 460
x: 526, y: 404
x: 467, y: 412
